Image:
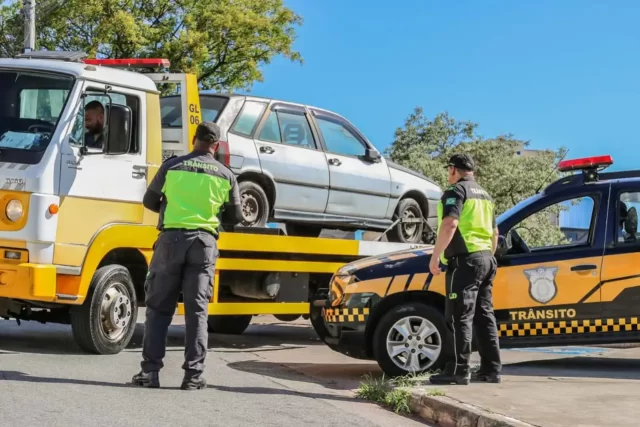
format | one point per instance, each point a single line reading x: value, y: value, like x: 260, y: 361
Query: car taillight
x: 222, y: 154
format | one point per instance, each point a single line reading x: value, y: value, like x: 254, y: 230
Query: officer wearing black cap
x: 466, y: 243
x: 188, y: 192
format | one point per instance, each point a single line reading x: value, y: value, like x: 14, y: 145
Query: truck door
x: 550, y: 275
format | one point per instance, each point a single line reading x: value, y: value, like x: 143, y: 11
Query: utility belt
x: 192, y: 230
x: 456, y: 260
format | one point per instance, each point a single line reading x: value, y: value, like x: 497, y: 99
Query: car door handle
x: 139, y: 171
x: 335, y: 162
x: 266, y: 149
x: 584, y: 267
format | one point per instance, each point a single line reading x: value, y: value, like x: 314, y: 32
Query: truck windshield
x: 32, y: 103
x: 171, y: 111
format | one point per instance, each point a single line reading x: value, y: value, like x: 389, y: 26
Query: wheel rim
x: 250, y: 208
x: 413, y: 344
x: 116, y: 312
x: 410, y: 230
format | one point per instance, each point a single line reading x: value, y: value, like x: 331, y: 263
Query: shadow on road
x: 577, y: 367
x: 22, y: 377
x: 279, y: 391
x: 58, y: 339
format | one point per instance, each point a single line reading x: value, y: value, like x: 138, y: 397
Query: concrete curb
x: 447, y: 412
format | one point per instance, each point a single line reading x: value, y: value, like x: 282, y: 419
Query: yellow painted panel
x: 271, y: 265
x: 80, y: 219
x: 398, y: 284
x: 610, y: 291
x: 266, y: 243
x: 254, y: 308
x: 193, y: 106
x: 376, y: 286
x: 72, y: 255
x: 438, y: 284
x: 13, y: 244
x: 154, y: 148
x: 418, y: 281
x: 28, y: 281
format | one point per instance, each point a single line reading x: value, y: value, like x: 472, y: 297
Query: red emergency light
x: 585, y: 163
x: 130, y: 62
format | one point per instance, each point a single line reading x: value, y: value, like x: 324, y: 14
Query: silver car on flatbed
x: 311, y: 169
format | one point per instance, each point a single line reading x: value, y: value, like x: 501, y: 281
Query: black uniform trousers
x: 183, y: 261
x: 469, y: 283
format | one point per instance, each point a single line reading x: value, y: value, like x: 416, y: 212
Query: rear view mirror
x: 118, y: 129
x: 502, y: 247
x: 372, y: 155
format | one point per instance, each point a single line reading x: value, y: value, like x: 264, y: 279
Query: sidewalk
x: 584, y: 388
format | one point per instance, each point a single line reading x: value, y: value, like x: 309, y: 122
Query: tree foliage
x: 224, y: 42
x: 425, y: 145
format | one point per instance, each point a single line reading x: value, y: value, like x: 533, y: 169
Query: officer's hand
x: 434, y: 266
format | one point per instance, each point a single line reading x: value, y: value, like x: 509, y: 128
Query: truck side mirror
x: 372, y: 155
x: 118, y: 129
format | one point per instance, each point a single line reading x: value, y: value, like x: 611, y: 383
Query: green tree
x: 224, y: 42
x: 425, y: 145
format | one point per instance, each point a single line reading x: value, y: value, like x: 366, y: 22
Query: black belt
x: 191, y: 230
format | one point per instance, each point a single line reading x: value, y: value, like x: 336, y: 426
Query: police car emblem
x: 542, y: 283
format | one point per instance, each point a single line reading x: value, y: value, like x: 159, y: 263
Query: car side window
x: 565, y: 223
x: 246, y: 122
x: 287, y: 128
x: 627, y: 229
x: 339, y: 139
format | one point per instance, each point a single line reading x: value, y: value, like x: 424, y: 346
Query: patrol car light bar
x: 585, y: 163
x: 130, y: 62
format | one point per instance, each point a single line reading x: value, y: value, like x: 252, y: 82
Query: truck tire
x: 255, y: 204
x: 407, y: 232
x: 388, y: 341
x: 106, y: 321
x: 228, y: 325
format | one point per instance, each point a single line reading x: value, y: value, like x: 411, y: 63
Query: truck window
x: 42, y: 104
x: 171, y: 110
x: 246, y: 122
x: 568, y: 222
x: 339, y: 139
x: 627, y: 230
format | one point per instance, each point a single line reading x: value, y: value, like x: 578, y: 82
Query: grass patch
x: 389, y: 392
x: 435, y: 392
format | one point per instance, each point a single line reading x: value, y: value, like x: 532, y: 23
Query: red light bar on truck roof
x: 585, y: 163
x: 130, y: 62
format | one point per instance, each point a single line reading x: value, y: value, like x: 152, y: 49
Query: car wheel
x: 228, y: 325
x: 302, y: 230
x: 407, y: 232
x: 255, y: 204
x: 410, y: 339
x: 106, y: 321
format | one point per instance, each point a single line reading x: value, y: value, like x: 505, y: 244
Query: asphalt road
x: 276, y: 374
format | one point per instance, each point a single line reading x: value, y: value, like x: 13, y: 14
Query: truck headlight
x: 14, y: 210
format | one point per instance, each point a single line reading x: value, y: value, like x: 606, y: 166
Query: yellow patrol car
x: 569, y: 274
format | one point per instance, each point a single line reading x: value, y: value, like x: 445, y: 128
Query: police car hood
x: 407, y: 261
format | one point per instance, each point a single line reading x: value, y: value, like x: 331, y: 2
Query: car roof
x: 603, y: 179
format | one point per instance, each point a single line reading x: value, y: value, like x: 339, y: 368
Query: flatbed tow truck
x: 75, y: 240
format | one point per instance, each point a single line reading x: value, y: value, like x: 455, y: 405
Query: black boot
x: 193, y: 383
x: 462, y: 375
x: 487, y: 376
x: 146, y: 379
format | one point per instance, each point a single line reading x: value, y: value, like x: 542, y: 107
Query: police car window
x: 565, y: 223
x: 339, y: 139
x: 627, y: 229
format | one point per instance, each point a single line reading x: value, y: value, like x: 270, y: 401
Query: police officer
x: 188, y: 193
x: 466, y: 243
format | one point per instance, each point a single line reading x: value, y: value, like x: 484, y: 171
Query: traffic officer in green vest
x: 188, y: 192
x: 466, y: 243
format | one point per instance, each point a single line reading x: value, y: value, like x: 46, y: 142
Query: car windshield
x: 520, y: 205
x: 32, y: 103
x: 171, y: 110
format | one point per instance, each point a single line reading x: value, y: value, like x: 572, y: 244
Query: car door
x: 358, y: 187
x: 549, y: 276
x: 290, y: 155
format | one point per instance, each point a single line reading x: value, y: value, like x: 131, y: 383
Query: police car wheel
x: 409, y: 339
x: 255, y: 204
x: 407, y: 232
x: 228, y: 325
x: 106, y: 321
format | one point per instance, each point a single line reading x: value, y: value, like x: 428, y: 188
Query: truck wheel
x: 106, y: 321
x: 409, y: 340
x: 302, y: 230
x: 287, y: 317
x: 407, y: 232
x: 228, y: 325
x: 255, y: 204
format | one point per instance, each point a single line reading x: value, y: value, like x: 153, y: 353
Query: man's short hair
x: 208, y: 132
x: 94, y: 105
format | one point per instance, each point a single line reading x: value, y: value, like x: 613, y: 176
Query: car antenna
x: 554, y: 169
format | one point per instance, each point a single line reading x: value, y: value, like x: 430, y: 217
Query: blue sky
x: 557, y: 73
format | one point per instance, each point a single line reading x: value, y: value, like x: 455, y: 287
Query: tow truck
x: 572, y: 281
x: 75, y: 239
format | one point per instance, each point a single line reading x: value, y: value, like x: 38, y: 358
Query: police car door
x: 547, y: 282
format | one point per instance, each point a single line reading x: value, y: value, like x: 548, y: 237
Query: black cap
x: 208, y: 132
x: 462, y: 161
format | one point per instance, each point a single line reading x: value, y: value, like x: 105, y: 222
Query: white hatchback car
x: 311, y: 169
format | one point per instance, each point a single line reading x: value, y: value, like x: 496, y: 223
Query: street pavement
x: 276, y: 374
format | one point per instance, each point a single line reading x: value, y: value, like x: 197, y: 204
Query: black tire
x: 228, y: 325
x: 397, y: 313
x: 287, y: 317
x: 254, y: 198
x: 408, y: 232
x: 302, y: 230
x: 86, y: 320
